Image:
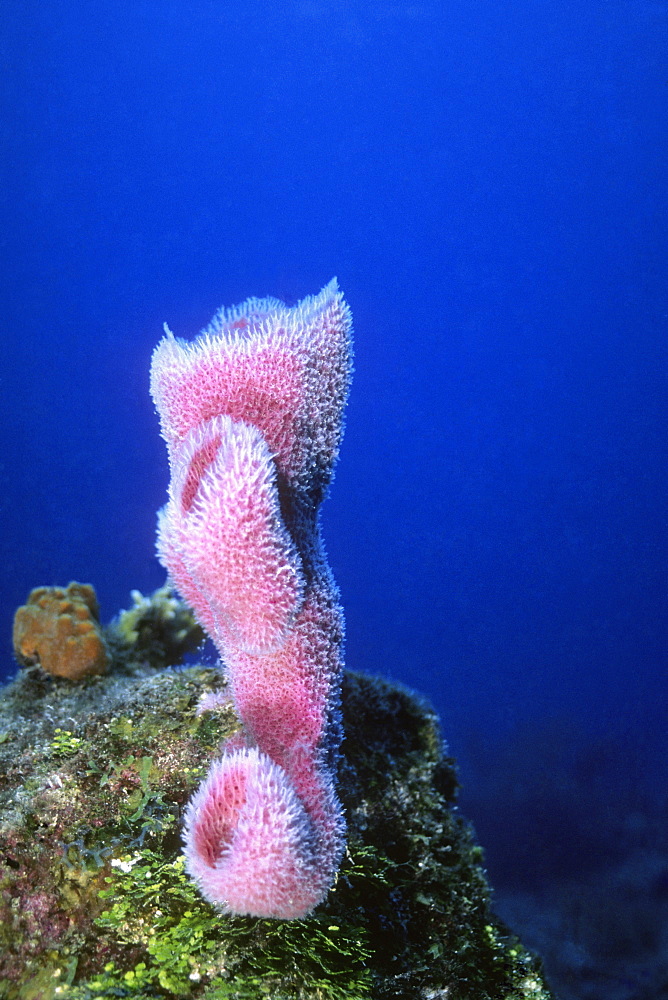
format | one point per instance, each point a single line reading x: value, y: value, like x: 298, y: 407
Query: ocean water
x: 489, y: 184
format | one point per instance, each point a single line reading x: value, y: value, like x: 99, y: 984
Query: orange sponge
x: 59, y: 629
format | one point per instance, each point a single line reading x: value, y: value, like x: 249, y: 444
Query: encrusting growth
x: 59, y: 628
x: 252, y: 412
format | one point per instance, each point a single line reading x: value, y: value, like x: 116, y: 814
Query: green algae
x: 94, y: 898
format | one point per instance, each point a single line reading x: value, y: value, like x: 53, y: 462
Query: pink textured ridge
x: 252, y: 412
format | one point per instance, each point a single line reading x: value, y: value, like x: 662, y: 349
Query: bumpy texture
x: 252, y: 412
x: 58, y: 628
x: 94, y: 899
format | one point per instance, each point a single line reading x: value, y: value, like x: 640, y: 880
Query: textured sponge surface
x: 252, y: 413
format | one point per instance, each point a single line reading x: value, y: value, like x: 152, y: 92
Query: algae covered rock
x: 94, y: 898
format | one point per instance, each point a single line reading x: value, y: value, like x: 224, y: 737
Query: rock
x: 94, y: 898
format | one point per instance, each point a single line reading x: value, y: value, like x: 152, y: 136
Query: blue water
x: 489, y: 184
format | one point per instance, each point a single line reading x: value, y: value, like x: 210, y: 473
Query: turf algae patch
x: 94, y: 898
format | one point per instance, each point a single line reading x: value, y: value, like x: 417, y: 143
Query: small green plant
x: 64, y: 743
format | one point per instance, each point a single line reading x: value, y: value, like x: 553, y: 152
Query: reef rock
x: 95, y: 900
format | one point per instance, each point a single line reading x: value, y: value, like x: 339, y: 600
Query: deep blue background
x: 488, y: 182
